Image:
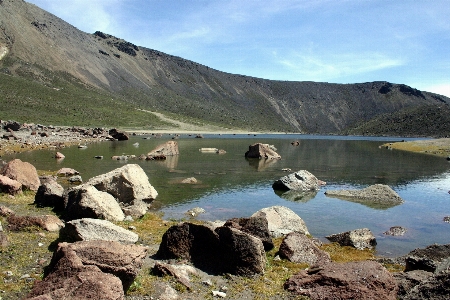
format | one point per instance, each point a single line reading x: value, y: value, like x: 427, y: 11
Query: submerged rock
x: 377, y: 196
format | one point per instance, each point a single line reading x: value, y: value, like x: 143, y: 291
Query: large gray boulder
x: 23, y: 172
x: 377, y: 196
x: 86, y: 201
x: 299, y: 181
x: 94, y: 229
x: 298, y: 248
x: 366, y: 280
x: 260, y: 150
x: 282, y: 220
x: 125, y: 184
x: 358, y: 238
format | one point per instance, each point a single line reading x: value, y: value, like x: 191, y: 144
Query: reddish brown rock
x: 10, y: 186
x: 298, y: 248
x: 47, y: 222
x: 72, y: 278
x: 23, y: 172
x: 5, y: 211
x: 123, y: 261
x: 366, y: 280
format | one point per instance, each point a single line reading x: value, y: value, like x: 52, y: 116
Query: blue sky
x: 339, y: 41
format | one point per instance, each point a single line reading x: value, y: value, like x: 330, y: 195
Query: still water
x: 230, y: 185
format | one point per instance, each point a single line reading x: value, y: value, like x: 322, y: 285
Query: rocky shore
x: 99, y: 240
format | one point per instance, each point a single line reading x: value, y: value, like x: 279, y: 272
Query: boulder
x: 50, y: 194
x: 10, y: 186
x: 358, y: 238
x: 367, y: 280
x: 260, y: 150
x: 223, y: 250
x: 435, y: 287
x: 179, y: 272
x: 298, y: 248
x: 74, y: 281
x: 86, y: 201
x: 198, y: 244
x: 396, y: 231
x: 282, y: 220
x: 67, y: 172
x: 377, y: 196
x: 12, y: 125
x: 113, y: 267
x: 23, y: 172
x: 137, y: 208
x: 255, y: 226
x: 299, y: 181
x: 118, y: 135
x: 427, y: 259
x: 169, y: 148
x: 59, y: 155
x: 125, y: 184
x: 93, y: 229
x: 243, y: 254
x: 5, y: 211
x: 406, y: 281
x: 47, y: 222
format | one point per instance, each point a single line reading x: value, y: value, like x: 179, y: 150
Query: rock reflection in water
x: 296, y: 196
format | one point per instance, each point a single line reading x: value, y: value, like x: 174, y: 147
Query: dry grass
x: 440, y: 147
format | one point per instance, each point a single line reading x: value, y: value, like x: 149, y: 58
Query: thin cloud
x: 328, y: 67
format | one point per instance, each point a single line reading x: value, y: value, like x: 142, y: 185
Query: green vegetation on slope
x: 59, y: 99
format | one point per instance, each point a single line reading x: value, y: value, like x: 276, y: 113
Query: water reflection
x: 233, y: 186
x: 296, y: 196
x: 261, y: 164
x: 367, y: 202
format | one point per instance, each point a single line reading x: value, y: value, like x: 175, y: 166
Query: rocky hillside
x: 43, y: 49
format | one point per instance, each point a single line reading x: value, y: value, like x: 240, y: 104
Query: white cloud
x: 441, y: 89
x: 86, y: 15
x: 308, y: 66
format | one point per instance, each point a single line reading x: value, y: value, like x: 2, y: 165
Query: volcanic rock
x: 282, y: 220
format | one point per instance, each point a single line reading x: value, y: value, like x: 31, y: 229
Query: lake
x: 230, y: 185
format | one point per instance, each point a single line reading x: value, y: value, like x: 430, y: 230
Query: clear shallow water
x: 231, y: 186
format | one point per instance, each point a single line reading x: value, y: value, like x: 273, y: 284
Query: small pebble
x: 219, y: 294
x: 207, y: 282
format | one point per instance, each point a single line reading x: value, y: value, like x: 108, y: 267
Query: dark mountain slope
x: 36, y: 40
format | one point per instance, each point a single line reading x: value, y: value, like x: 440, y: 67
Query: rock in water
x: 298, y: 181
x: 260, y: 150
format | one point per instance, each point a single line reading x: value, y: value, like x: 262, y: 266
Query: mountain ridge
x: 41, y: 47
